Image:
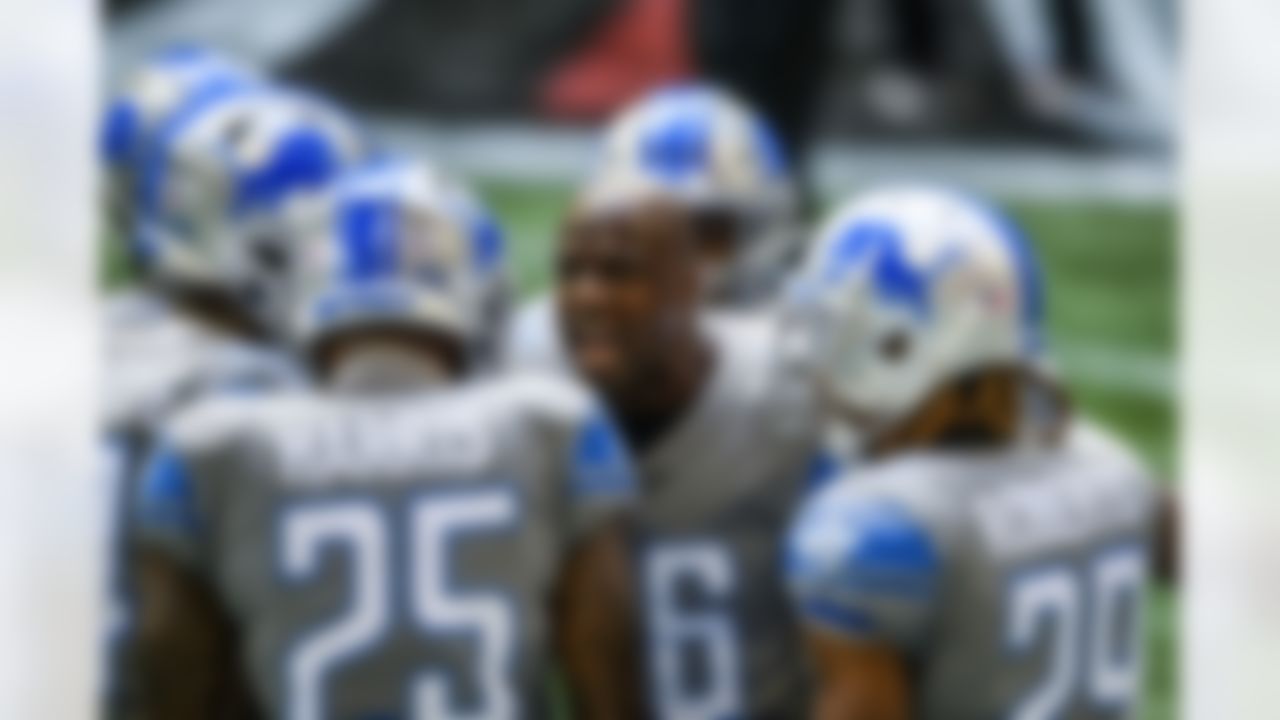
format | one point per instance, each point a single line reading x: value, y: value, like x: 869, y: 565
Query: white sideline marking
x: 524, y: 152
x: 1117, y: 370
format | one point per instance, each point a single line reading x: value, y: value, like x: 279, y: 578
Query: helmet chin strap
x: 997, y: 407
x: 383, y: 368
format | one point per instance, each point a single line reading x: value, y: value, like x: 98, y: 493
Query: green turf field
x: 1111, y: 273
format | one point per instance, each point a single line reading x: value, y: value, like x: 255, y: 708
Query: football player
x: 722, y: 163
x: 178, y: 80
x: 215, y: 192
x: 214, y: 180
x: 722, y: 432
x: 394, y: 542
x: 989, y: 558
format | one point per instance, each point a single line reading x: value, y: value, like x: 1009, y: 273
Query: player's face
x: 622, y: 294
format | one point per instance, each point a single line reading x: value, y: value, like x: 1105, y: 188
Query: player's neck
x: 983, y: 412
x: 384, y: 369
x: 670, y: 392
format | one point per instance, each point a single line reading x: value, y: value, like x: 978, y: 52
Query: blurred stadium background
x: 1063, y: 109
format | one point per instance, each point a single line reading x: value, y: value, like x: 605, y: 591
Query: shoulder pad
x: 532, y: 340
x: 572, y: 420
x: 548, y: 396
x: 245, y: 369
x: 862, y: 562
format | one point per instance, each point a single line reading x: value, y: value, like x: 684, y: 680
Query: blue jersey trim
x: 600, y: 463
x: 823, y: 468
x: 168, y: 495
x: 868, y: 550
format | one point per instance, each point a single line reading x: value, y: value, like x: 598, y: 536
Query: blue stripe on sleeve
x: 168, y: 502
x: 600, y: 462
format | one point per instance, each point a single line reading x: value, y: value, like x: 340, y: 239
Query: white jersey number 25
x: 362, y: 531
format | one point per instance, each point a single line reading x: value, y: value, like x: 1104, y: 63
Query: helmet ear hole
x: 895, y: 346
x: 269, y: 254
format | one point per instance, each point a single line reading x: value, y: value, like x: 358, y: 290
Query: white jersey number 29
x: 360, y: 530
x: 676, y: 634
x: 1090, y: 621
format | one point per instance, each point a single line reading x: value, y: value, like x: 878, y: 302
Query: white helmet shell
x: 907, y: 288
x: 221, y: 185
x: 395, y: 247
x: 712, y: 154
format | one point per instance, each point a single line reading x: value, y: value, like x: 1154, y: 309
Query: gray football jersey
x: 1013, y: 582
x: 156, y: 362
x: 719, y: 490
x: 132, y: 306
x: 389, y: 557
x: 532, y: 338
